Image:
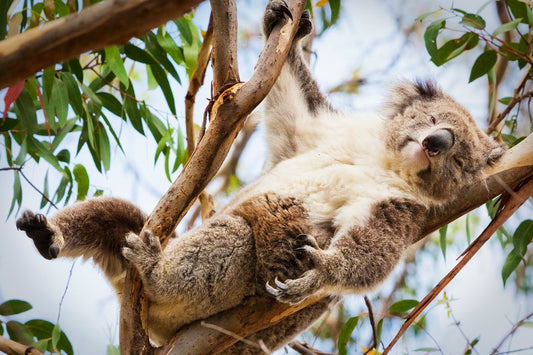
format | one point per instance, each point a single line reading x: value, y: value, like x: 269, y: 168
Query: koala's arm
x: 360, y: 257
x: 94, y: 228
x: 295, y: 96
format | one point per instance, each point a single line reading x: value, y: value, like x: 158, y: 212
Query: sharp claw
x: 280, y: 284
x: 272, y: 290
x: 286, y: 11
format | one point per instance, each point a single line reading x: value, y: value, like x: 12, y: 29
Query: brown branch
x: 306, y: 349
x: 516, y: 99
x: 196, y: 81
x: 521, y: 196
x: 228, y: 114
x: 225, y: 68
x: 373, y: 325
x: 25, y: 54
x: 11, y: 347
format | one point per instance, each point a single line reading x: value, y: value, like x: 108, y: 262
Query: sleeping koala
x: 342, y: 196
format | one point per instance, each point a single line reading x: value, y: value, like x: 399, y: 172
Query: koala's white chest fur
x: 338, y: 175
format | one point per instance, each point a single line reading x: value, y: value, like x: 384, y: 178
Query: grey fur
x: 336, y: 207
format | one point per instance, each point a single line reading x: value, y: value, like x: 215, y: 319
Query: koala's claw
x: 296, y: 290
x: 37, y: 228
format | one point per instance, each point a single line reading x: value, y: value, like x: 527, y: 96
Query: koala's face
x: 435, y: 144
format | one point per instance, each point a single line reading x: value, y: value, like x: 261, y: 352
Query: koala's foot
x: 277, y: 13
x: 37, y: 228
x: 296, y: 290
x: 142, y: 251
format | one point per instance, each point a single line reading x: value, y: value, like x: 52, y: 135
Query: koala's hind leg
x: 94, y: 228
x: 284, y: 331
x: 295, y: 96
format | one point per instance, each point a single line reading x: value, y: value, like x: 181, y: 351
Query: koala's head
x: 434, y: 142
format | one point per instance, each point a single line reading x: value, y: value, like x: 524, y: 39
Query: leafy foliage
x: 89, y: 98
x: 39, y: 333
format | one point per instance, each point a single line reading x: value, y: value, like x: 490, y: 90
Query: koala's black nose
x: 438, y: 142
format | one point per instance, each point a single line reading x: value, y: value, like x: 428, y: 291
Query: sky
x: 365, y: 38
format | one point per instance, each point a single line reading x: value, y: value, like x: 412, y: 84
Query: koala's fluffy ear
x: 404, y: 93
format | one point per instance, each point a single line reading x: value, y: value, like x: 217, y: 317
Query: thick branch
x: 469, y: 199
x: 68, y: 37
x: 228, y: 115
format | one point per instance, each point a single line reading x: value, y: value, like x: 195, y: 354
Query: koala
x: 341, y: 197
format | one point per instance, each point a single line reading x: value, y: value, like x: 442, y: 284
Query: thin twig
x: 305, y: 349
x: 511, y: 332
x: 19, y: 169
x: 373, y: 324
x: 512, y: 205
x: 259, y: 345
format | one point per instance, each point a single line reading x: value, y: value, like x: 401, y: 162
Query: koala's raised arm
x: 94, y: 228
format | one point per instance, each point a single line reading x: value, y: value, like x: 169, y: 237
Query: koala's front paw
x: 143, y: 252
x: 37, y: 228
x: 296, y: 290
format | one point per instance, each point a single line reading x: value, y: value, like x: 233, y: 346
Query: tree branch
x: 25, y: 54
x: 11, y: 347
x: 225, y: 68
x: 228, y: 113
x: 521, y: 195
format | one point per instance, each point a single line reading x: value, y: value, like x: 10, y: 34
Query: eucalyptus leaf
x: 346, y: 334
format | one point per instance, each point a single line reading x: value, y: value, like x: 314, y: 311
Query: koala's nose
x: 438, y: 142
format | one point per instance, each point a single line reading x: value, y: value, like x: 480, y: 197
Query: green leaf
x: 430, y: 36
x: 82, y: 179
x: 113, y: 133
x: 44, y: 201
x: 115, y: 62
x: 455, y: 47
x: 442, y: 239
x: 519, y: 9
x: 506, y: 100
x: 11, y: 307
x: 44, y: 330
x: 4, y: 7
x: 426, y: 350
x: 509, y: 26
x: 185, y: 29
x: 56, y: 334
x: 335, y: 6
x: 521, y: 239
x: 60, y: 98
x: 132, y: 109
x: 112, y: 350
x: 167, y: 43
x: 111, y: 103
x: 17, y: 193
x: 155, y: 125
x: 402, y: 306
x: 139, y: 55
x: 159, y: 54
x: 161, y: 77
x: 346, y: 334
x: 19, y: 332
x: 473, y: 20
x: 44, y: 152
x: 73, y: 90
x: 523, y: 236
x: 483, y: 64
x: 103, y: 146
